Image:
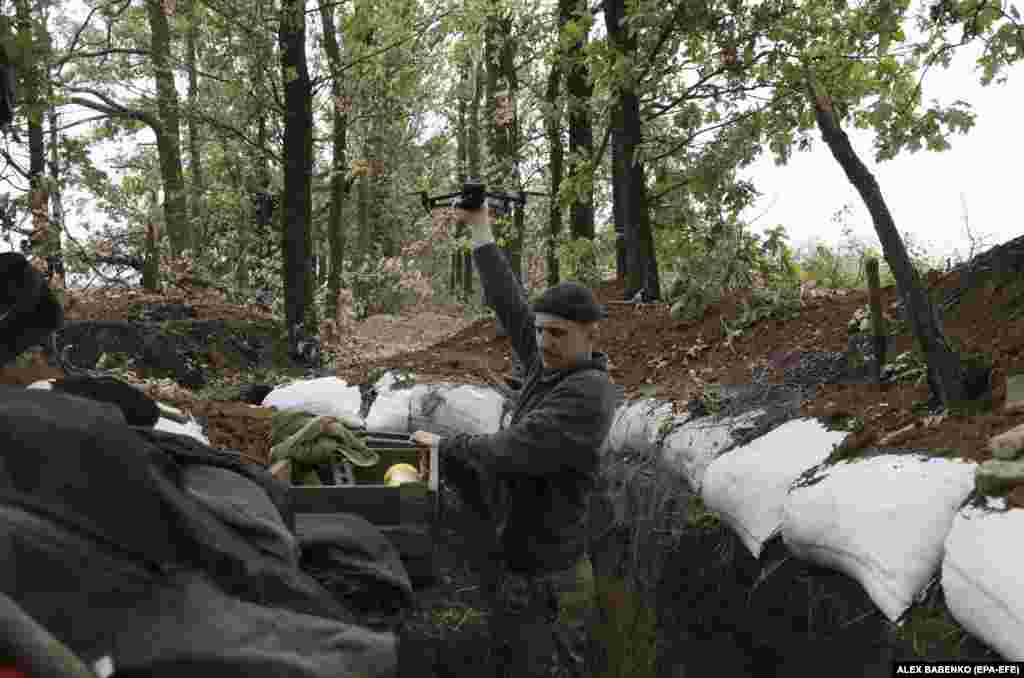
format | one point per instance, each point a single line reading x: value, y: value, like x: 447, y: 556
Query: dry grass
x: 654, y: 505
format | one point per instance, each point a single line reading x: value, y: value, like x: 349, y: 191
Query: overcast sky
x: 922, y: 189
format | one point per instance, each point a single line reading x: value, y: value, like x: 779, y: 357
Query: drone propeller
x: 474, y: 194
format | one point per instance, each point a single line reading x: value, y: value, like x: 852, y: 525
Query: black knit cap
x: 572, y: 301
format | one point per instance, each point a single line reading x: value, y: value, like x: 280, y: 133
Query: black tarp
x: 357, y: 563
x: 107, y: 548
x: 154, y: 553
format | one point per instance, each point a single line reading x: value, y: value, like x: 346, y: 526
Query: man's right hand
x: 425, y: 439
x: 477, y: 217
x: 479, y: 222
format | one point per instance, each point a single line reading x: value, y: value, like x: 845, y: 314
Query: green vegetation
x: 452, y: 619
x: 698, y: 517
x: 705, y: 271
x: 841, y: 265
x: 909, y: 367
x: 932, y: 632
x: 587, y: 261
x: 626, y: 631
x: 710, y: 397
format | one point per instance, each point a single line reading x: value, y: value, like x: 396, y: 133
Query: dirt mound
x: 650, y: 353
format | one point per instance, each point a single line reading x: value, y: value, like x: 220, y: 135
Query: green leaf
x: 987, y: 16
x: 1015, y: 388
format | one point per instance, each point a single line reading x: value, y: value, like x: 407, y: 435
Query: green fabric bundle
x: 309, y: 441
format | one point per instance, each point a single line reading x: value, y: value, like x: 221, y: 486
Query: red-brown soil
x: 649, y: 352
x: 646, y: 347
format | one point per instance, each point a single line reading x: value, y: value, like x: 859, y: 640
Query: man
x: 541, y: 468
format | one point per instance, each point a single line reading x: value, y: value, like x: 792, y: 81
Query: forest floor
x: 650, y: 355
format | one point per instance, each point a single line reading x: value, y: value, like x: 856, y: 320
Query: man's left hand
x: 425, y: 439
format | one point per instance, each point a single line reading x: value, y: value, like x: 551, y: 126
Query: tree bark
x: 618, y: 182
x: 195, y: 154
x: 34, y: 108
x: 339, y: 161
x: 473, y: 153
x: 151, y: 260
x: 460, y: 271
x: 642, y: 267
x: 298, y: 162
x: 581, y: 132
x: 556, y: 151
x: 501, y: 88
x: 946, y: 373
x: 56, y: 200
x: 258, y: 226
x: 168, y: 131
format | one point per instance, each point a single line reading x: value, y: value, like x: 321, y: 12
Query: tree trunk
x: 298, y: 163
x: 618, y: 184
x: 151, y: 266
x: 501, y: 86
x: 946, y: 373
x: 151, y: 259
x: 168, y: 132
x: 553, y: 127
x: 339, y: 161
x: 258, y: 227
x: 56, y: 200
x: 460, y: 271
x: 195, y: 155
x: 642, y: 268
x: 581, y: 132
x: 41, y: 239
x: 473, y: 154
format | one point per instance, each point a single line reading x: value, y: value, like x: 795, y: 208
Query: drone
x: 473, y: 196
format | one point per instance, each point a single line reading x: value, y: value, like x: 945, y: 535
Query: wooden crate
x: 407, y: 514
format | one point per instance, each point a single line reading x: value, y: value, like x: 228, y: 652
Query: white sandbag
x: 981, y: 576
x: 327, y: 396
x: 192, y: 428
x: 393, y: 409
x: 690, y: 448
x: 635, y: 426
x: 881, y: 520
x: 41, y: 385
x: 748, y: 485
x: 446, y: 410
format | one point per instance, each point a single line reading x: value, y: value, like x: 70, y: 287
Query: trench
x: 721, y: 611
x: 679, y: 592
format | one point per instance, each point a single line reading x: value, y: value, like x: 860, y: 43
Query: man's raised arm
x: 502, y: 288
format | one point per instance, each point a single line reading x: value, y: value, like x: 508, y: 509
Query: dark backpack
x: 29, y: 312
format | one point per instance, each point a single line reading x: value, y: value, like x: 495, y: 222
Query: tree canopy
x: 235, y: 135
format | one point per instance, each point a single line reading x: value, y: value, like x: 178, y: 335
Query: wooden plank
x: 282, y: 470
x: 379, y: 504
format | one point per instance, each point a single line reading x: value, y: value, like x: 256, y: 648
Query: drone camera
x: 473, y: 195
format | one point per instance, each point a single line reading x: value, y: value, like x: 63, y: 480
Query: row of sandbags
x: 893, y: 522
x: 398, y: 406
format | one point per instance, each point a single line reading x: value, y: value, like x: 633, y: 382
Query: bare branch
x: 13, y: 163
x: 105, y: 53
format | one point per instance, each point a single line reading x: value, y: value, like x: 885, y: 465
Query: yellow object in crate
x: 401, y: 473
